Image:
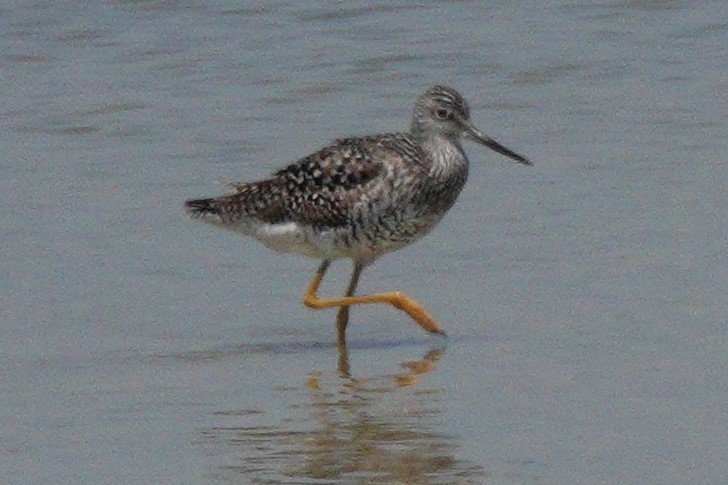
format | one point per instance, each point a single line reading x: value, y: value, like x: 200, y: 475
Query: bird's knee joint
x: 312, y: 302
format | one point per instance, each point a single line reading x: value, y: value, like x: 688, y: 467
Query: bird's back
x: 321, y: 189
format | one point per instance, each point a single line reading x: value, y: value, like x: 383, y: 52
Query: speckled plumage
x: 359, y: 197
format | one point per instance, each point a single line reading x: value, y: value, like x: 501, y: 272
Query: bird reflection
x: 376, y: 429
x: 413, y: 370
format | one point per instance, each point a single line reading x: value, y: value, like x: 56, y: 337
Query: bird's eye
x: 442, y: 114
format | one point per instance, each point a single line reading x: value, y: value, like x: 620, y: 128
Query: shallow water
x: 584, y: 298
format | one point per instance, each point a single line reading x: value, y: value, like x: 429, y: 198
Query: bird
x: 360, y: 198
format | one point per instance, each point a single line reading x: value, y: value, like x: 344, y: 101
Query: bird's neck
x: 445, y: 155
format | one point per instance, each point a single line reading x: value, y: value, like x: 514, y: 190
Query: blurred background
x: 584, y: 298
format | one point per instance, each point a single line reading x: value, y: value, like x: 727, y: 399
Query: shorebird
x: 360, y: 198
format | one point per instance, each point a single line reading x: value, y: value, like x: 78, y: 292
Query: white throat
x: 445, y: 155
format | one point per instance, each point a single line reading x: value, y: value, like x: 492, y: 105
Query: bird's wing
x: 319, y: 189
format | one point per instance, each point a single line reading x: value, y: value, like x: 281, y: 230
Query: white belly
x: 292, y: 237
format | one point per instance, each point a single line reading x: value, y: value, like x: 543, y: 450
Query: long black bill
x: 476, y: 135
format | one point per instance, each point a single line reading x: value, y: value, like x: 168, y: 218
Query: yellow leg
x: 394, y: 298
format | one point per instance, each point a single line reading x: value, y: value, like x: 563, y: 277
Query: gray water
x: 584, y: 298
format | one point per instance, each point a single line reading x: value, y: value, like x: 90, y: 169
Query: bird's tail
x: 206, y: 209
x: 247, y: 200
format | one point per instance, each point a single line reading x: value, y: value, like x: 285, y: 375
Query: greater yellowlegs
x: 360, y: 198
